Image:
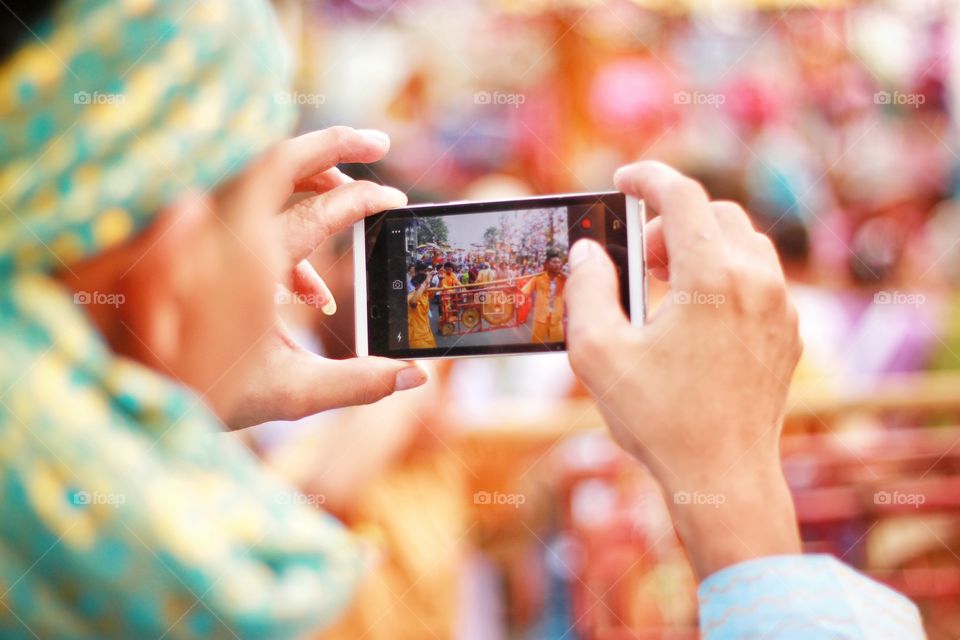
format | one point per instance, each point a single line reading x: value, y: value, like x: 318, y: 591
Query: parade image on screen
x: 486, y: 278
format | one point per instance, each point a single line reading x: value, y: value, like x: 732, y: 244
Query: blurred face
x: 198, y: 285
x: 235, y: 311
x: 553, y: 266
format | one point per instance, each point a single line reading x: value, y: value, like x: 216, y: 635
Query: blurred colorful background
x: 494, y: 505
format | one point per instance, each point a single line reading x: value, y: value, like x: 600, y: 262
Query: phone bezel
x: 635, y: 213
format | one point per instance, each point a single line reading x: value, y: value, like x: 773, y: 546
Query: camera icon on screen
x: 398, y: 285
x: 883, y: 97
x: 81, y: 97
x: 681, y: 497
x: 81, y: 497
x: 482, y: 497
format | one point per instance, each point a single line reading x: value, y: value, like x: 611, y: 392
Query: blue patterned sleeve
x: 802, y: 597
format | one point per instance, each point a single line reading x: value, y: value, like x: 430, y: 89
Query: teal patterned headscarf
x: 123, y: 511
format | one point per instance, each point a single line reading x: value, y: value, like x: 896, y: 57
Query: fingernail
x: 373, y: 134
x: 393, y: 198
x: 409, y: 378
x: 330, y: 308
x: 580, y: 253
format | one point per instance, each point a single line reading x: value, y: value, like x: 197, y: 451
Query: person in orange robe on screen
x: 450, y: 278
x: 419, y: 333
x: 547, y: 289
x: 418, y: 315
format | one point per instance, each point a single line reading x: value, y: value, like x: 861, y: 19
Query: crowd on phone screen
x: 448, y: 270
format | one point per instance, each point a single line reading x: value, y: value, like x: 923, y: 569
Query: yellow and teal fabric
x: 124, y: 511
x: 803, y: 597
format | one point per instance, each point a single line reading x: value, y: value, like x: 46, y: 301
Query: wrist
x: 732, y: 518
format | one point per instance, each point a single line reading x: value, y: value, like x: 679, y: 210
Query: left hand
x: 293, y: 383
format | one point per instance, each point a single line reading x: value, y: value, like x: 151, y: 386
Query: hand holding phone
x: 697, y: 394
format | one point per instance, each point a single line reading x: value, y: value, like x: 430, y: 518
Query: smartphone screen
x: 481, y: 278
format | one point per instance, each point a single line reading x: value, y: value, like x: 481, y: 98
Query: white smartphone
x: 486, y: 278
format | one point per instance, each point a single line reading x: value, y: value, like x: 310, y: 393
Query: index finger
x: 690, y: 229
x: 315, y: 152
x: 313, y: 220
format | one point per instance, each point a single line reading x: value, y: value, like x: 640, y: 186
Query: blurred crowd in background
x: 493, y: 507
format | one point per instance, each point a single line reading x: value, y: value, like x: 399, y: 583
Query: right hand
x: 698, y: 393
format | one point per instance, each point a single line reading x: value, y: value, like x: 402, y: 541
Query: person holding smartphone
x: 139, y: 254
x: 143, y: 235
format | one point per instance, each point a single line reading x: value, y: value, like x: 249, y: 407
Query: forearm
x: 739, y: 516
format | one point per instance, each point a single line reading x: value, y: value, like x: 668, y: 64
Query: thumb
x: 364, y: 380
x: 592, y: 297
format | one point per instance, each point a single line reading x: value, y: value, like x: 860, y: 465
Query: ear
x: 164, y: 268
